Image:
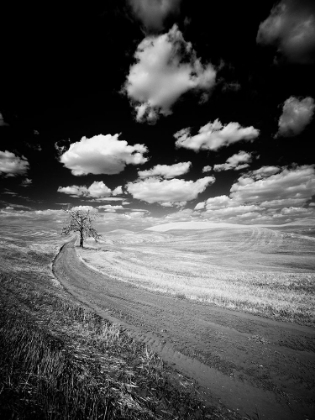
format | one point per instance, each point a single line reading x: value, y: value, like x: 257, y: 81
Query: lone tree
x: 81, y: 221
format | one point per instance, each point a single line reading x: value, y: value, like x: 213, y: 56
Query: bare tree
x: 80, y: 221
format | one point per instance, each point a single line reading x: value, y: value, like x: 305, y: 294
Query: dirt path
x: 248, y: 363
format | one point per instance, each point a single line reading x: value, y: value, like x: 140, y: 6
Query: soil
x: 253, y: 365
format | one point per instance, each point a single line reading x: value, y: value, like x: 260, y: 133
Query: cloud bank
x: 102, y: 154
x: 265, y: 195
x: 166, y: 68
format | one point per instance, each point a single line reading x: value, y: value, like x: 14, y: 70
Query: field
x: 61, y: 360
x: 157, y: 324
x: 259, y: 270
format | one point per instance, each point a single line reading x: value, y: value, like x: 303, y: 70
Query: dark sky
x: 223, y: 90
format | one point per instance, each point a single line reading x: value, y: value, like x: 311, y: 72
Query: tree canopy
x: 81, y: 221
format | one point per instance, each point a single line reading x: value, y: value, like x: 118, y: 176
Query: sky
x: 155, y: 111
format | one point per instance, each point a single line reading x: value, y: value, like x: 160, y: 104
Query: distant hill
x: 214, y: 225
x: 194, y: 226
x: 121, y: 232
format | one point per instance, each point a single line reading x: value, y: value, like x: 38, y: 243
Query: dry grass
x: 258, y: 270
x: 61, y: 361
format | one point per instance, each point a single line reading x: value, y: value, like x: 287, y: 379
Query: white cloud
x: 85, y: 208
x: 184, y: 215
x: 296, y: 115
x: 296, y: 183
x: 166, y: 171
x: 175, y: 191
x: 213, y: 136
x: 102, y: 154
x: 291, y: 28
x: 117, y: 190
x: 295, y: 211
x: 2, y: 122
x: 97, y: 190
x: 153, y: 13
x: 167, y: 67
x: 237, y: 162
x: 108, y: 198
x: 207, y: 168
x: 49, y: 212
x: 26, y: 182
x: 12, y: 165
x: 284, y: 202
x: 218, y: 202
x: 265, y: 171
x: 139, y: 210
x: 74, y: 190
x: 110, y: 207
x: 233, y: 211
x: 200, y: 206
x: 267, y: 195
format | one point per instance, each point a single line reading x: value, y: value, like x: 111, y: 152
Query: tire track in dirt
x: 212, y: 345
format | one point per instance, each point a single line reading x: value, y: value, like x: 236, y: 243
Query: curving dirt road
x: 248, y: 363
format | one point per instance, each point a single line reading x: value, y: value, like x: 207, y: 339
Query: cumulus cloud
x: 237, y: 162
x: 166, y: 67
x: 218, y: 202
x: 265, y: 171
x: 284, y: 202
x: 233, y: 211
x: 291, y: 28
x: 50, y: 212
x: 173, y: 191
x: 207, y: 168
x: 267, y: 195
x: 224, y: 206
x: 108, y: 199
x: 97, y: 190
x: 214, y: 136
x: 295, y: 210
x: 294, y: 183
x: 153, y: 13
x: 102, y: 154
x: 110, y: 207
x: 166, y: 171
x: 11, y: 165
x: 74, y: 190
x: 200, y: 206
x: 296, y: 115
x: 85, y: 208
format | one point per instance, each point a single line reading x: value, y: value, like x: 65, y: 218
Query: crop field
x: 260, y: 270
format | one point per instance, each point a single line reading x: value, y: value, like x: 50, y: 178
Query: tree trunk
x: 81, y: 240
